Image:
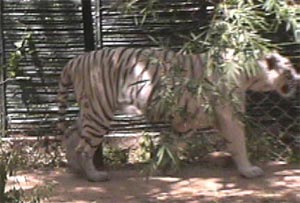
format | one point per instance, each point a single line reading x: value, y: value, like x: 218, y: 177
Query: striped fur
x: 109, y: 79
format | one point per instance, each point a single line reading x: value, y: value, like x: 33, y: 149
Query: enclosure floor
x: 194, y: 184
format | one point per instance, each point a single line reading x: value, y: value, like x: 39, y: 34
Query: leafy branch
x: 24, y: 47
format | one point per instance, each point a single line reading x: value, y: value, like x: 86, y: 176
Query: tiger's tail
x: 65, y: 83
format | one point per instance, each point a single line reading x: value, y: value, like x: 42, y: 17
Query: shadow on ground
x: 281, y: 184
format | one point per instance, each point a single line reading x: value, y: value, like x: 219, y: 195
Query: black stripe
x: 88, y: 141
x: 102, y: 112
x: 94, y: 132
x: 137, y: 56
x: 165, y: 55
x: 70, y: 64
x: 179, y: 62
x: 88, y: 65
x: 138, y: 83
x: 129, y: 70
x: 151, y: 54
x: 192, y: 66
x: 98, y: 123
x: 141, y: 88
x: 164, y: 60
x: 125, y: 75
x: 100, y: 64
x: 186, y: 104
x: 65, y: 76
x: 111, y: 76
x: 106, y: 88
x: 154, y: 89
x: 79, y: 69
x: 146, y: 67
x: 119, y: 69
x: 155, y: 75
x: 105, y: 84
x: 94, y: 57
x: 65, y: 84
x: 131, y: 96
x: 106, y: 115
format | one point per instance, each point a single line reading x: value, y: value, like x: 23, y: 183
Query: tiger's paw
x: 97, y: 176
x: 251, y: 172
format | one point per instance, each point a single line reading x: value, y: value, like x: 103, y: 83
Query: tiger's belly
x: 193, y: 122
x: 189, y: 115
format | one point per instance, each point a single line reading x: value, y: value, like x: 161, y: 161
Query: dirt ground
x: 193, y: 184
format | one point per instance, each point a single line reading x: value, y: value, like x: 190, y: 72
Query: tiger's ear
x: 271, y: 61
x: 267, y: 62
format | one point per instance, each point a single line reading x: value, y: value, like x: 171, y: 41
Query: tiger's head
x: 277, y: 74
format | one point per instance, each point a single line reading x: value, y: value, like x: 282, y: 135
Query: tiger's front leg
x: 233, y: 131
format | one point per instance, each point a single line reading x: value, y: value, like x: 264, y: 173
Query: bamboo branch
x: 14, y: 79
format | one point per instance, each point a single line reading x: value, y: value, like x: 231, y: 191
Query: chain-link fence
x: 275, y: 125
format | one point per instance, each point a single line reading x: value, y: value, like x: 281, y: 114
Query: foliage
x: 15, y: 156
x: 146, y: 148
x: 37, y: 195
x: 23, y: 47
x: 145, y: 8
x: 160, y: 156
x: 8, y: 162
x: 236, y: 26
x: 114, y: 156
x: 11, y: 160
x: 283, y: 12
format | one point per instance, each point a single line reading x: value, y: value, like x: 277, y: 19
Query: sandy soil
x: 194, y: 184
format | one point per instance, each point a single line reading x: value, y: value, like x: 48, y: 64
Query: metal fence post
x: 88, y: 30
x: 2, y: 76
x: 98, y: 24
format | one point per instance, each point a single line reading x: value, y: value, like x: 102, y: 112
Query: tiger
x: 109, y: 79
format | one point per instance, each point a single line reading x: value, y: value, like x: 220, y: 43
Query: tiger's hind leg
x: 90, y: 171
x: 71, y: 140
x: 80, y: 155
x: 94, y: 121
x: 86, y: 160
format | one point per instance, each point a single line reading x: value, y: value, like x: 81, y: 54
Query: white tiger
x: 110, y: 78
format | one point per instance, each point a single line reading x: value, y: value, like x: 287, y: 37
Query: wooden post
x: 89, y: 43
